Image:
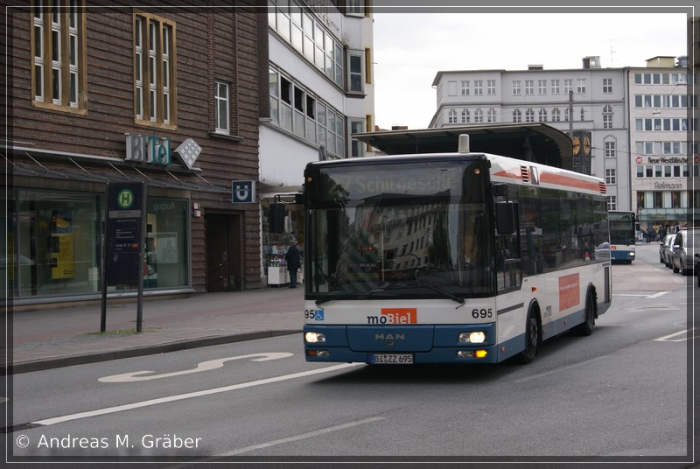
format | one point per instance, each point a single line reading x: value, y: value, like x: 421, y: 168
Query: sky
x: 411, y: 48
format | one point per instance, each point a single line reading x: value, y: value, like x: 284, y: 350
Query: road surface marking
x: 656, y: 295
x: 303, y: 436
x: 190, y: 395
x: 667, y: 338
x: 204, y: 366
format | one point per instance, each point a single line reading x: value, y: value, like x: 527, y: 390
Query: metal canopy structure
x: 536, y: 142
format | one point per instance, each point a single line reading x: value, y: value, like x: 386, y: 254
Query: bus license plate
x: 391, y: 359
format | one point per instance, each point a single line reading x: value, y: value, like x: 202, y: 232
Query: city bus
x: 449, y: 258
x: 623, y: 236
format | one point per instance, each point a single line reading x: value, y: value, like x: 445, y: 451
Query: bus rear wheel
x: 586, y: 328
x: 532, y: 338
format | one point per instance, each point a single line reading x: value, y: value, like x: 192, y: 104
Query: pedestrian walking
x: 293, y: 258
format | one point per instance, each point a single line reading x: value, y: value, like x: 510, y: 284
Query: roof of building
x: 537, y: 142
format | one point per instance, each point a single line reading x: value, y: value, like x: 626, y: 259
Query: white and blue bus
x: 450, y: 258
x: 623, y: 236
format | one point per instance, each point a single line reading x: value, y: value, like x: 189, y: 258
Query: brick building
x: 113, y: 95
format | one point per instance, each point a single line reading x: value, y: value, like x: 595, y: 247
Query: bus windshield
x: 622, y: 228
x: 380, y: 233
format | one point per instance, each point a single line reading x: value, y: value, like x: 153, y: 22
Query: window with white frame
x: 355, y: 7
x: 465, y: 87
x: 154, y: 70
x: 465, y: 116
x: 517, y: 116
x: 491, y: 115
x: 542, y: 86
x: 607, y: 117
x: 221, y: 98
x: 610, y: 149
x: 516, y: 88
x: 556, y: 115
x: 529, y: 115
x: 356, y: 146
x: 568, y: 85
x: 479, y: 116
x: 59, y: 75
x: 355, y: 80
x: 529, y: 87
x: 309, y: 36
x: 566, y: 114
x: 452, y: 116
x: 296, y: 110
x: 543, y: 115
x: 555, y: 86
x: 478, y: 87
x: 610, y: 176
x: 581, y: 86
x: 612, y: 202
x: 607, y: 85
x: 491, y: 87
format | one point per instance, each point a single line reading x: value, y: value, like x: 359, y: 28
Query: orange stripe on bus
x: 562, y: 180
x: 509, y: 173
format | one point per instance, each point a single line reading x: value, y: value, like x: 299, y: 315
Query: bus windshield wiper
x: 447, y: 294
x: 354, y: 296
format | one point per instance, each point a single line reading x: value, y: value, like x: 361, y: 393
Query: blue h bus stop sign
x: 243, y: 192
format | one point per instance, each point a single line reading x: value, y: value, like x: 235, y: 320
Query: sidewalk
x: 71, y: 336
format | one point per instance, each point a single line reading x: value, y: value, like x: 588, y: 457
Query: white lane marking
x: 557, y: 370
x: 300, y: 437
x: 204, y: 366
x: 656, y: 295
x: 629, y: 294
x: 180, y: 397
x: 667, y: 338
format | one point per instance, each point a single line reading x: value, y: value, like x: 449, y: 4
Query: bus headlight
x: 476, y: 337
x: 314, y: 338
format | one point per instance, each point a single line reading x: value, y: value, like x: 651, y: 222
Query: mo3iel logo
x: 395, y: 316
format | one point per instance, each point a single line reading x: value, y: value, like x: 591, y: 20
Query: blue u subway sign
x: 243, y: 192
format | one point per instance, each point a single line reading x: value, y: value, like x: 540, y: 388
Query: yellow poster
x: 63, y: 263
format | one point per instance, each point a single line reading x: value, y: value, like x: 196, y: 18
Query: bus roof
x: 503, y: 169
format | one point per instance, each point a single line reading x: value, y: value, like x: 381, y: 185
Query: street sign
x: 124, y: 233
x: 243, y: 192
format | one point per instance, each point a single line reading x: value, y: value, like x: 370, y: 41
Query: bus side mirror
x: 276, y: 218
x: 505, y: 217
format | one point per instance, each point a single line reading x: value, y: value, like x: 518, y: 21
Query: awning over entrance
x: 73, y: 167
x: 537, y: 142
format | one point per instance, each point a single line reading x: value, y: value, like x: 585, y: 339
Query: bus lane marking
x: 190, y: 395
x: 204, y: 366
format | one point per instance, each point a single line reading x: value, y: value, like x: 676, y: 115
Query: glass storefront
x: 54, y: 239
x: 167, y: 257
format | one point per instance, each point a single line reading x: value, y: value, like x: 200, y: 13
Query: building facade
x: 114, y: 96
x: 588, y: 104
x: 664, y: 160
x: 320, y: 92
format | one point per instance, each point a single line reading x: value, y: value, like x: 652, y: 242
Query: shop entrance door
x: 224, y: 253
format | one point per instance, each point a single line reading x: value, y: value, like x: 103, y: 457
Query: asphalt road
x: 621, y: 395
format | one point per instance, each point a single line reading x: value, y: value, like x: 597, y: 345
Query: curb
x: 41, y: 365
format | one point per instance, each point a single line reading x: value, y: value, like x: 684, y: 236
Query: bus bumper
x: 414, y: 344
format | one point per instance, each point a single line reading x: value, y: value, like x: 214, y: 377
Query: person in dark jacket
x: 293, y: 259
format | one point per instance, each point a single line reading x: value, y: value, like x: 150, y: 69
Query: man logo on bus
x: 395, y: 316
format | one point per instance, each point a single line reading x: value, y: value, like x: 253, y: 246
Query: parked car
x: 666, y: 249
x: 683, y: 259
